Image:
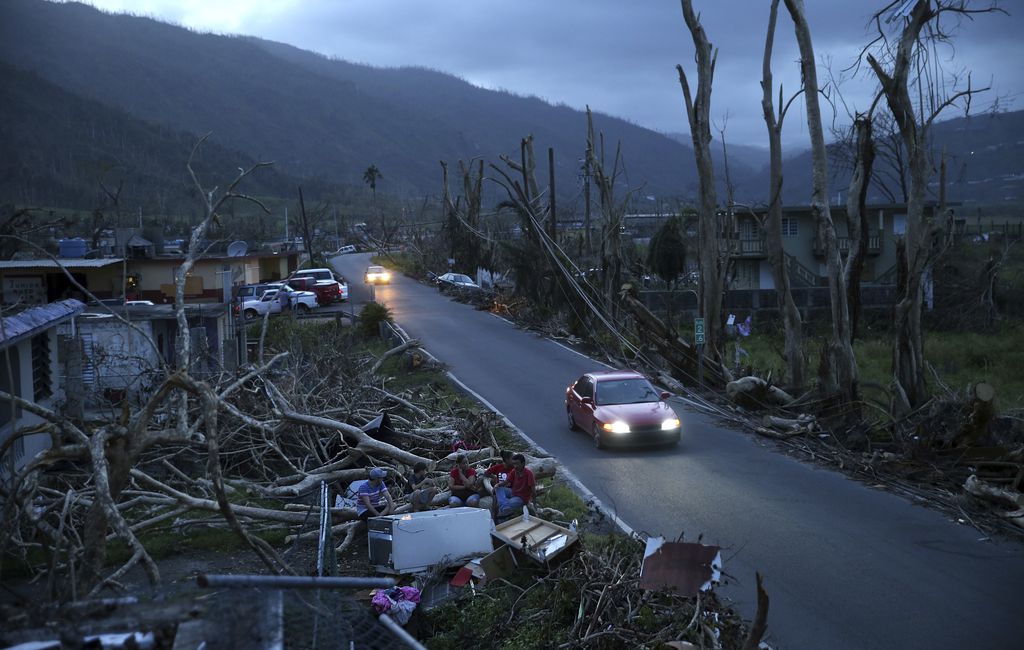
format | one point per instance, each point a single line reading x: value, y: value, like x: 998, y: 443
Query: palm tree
x: 370, y: 177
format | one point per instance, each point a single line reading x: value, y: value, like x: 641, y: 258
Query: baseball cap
x: 378, y: 472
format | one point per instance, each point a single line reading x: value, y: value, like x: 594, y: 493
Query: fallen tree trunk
x: 269, y: 514
x: 755, y: 393
x: 1011, y: 498
x: 364, y: 443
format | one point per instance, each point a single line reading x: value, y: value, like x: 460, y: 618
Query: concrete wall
x: 24, y: 450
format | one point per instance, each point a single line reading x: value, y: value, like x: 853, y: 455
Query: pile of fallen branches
x: 593, y: 599
x: 241, y: 449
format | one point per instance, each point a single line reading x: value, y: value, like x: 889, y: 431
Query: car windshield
x: 461, y: 279
x: 625, y: 391
x: 375, y: 269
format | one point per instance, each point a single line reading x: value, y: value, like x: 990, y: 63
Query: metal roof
x: 36, y: 319
x: 76, y: 263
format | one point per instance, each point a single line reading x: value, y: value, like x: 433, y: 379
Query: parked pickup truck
x: 301, y: 301
x: 323, y: 281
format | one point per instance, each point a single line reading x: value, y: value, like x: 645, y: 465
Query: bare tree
x: 713, y: 260
x: 907, y: 62
x: 840, y: 375
x: 792, y: 322
x: 856, y: 217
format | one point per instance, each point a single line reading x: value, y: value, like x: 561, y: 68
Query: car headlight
x: 385, y: 276
x: 669, y: 424
x: 616, y: 427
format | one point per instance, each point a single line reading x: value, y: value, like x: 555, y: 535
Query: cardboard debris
x: 686, y: 567
x: 541, y: 540
x: 492, y: 566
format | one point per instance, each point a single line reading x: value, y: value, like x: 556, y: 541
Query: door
x: 583, y: 414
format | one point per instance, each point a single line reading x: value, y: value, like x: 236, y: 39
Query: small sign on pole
x: 698, y: 331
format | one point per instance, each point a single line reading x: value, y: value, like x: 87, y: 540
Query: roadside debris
x: 689, y: 568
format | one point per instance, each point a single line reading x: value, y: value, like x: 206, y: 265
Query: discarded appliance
x: 540, y: 540
x: 416, y: 541
x: 688, y: 568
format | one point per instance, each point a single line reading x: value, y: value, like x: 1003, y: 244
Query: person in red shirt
x: 499, y: 472
x: 464, y: 484
x: 517, y: 490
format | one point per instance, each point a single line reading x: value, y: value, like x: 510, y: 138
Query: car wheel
x: 598, y: 438
x: 302, y: 307
x: 251, y: 313
x: 572, y: 421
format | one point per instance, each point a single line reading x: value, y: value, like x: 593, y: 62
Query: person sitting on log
x: 464, y: 484
x: 373, y: 498
x: 515, y: 491
x: 419, y: 487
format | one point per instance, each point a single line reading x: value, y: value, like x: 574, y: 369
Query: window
x: 790, y: 227
x: 42, y: 386
x: 584, y: 387
x: 899, y: 224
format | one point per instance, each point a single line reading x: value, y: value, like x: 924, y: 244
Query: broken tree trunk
x: 982, y: 402
x: 681, y: 356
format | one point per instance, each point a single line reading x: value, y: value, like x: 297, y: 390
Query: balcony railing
x: 744, y: 248
x: 844, y: 243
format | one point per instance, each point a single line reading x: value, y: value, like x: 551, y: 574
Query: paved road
x: 846, y: 567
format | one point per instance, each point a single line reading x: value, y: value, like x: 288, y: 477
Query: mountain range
x: 88, y: 95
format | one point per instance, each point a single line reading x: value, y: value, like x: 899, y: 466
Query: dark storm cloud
x: 617, y: 56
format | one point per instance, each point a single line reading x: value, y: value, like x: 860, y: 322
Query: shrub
x: 370, y: 318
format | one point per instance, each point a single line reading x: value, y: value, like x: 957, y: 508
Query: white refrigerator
x: 415, y: 541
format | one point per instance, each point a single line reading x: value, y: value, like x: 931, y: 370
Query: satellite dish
x: 237, y: 249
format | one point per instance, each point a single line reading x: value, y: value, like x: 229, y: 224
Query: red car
x: 621, y: 407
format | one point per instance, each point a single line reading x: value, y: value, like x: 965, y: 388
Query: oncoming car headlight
x: 616, y: 427
x: 669, y: 424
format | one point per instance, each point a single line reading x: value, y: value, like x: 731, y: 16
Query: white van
x: 344, y: 250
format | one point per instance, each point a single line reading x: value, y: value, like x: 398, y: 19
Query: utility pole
x: 286, y: 223
x: 551, y: 189
x: 586, y: 200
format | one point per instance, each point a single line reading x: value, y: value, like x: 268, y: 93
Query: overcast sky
x: 618, y: 56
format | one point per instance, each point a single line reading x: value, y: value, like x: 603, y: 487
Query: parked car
x: 327, y: 287
x: 345, y: 250
x: 457, y: 280
x: 249, y: 292
x: 377, y: 275
x: 301, y: 301
x: 621, y: 407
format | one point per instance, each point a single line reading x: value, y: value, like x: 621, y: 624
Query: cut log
x: 802, y: 421
x: 988, y: 492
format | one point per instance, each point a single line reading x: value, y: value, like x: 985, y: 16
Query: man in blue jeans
x: 517, y: 490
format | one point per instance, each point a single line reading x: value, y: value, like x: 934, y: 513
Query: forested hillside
x: 314, y: 116
x: 86, y: 91
x: 60, y: 148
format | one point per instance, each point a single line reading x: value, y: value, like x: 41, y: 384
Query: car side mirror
x: 665, y: 394
x: 589, y: 401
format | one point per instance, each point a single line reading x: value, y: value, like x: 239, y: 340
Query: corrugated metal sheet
x: 37, y: 319
x: 66, y: 263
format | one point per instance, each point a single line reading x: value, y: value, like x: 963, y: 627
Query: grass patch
x: 959, y: 358
x: 561, y: 497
